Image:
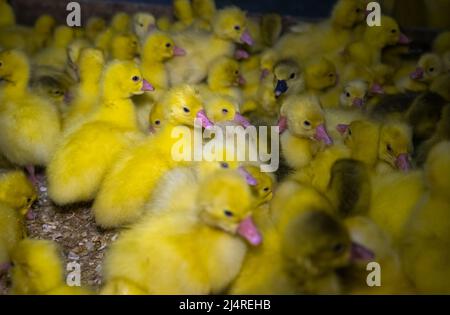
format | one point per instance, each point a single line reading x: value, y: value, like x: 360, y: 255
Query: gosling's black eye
x: 266, y: 189
x: 141, y: 25
x: 186, y: 110
x: 237, y: 27
x: 347, y: 94
x: 349, y: 132
x: 292, y: 75
x: 135, y: 78
x: 431, y: 69
x: 1, y: 63
x: 331, y: 75
x: 224, y: 110
x: 338, y: 248
x: 224, y: 165
x: 236, y: 72
x: 393, y: 31
x: 389, y: 148
x: 306, y: 123
x: 29, y: 200
x: 157, y: 122
x: 168, y: 45
x: 228, y: 213
x: 358, y: 10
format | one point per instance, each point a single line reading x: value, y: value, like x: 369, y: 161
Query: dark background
x: 304, y: 8
x: 28, y: 10
x: 411, y: 14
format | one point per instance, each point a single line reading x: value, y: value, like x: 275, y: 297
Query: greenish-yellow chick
x: 38, y: 269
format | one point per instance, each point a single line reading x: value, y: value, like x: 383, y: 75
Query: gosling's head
x: 160, y: 46
x: 124, y: 46
x: 225, y: 72
x: 183, y: 105
x: 348, y: 13
x: 288, y: 78
x: 231, y: 23
x: 395, y: 145
x: 354, y: 94
x: 320, y: 74
x: 315, y: 242
x: 123, y: 79
x: 225, y: 202
x: 143, y: 23
x: 305, y: 118
x: 428, y: 68
x: 263, y: 189
x: 17, y: 191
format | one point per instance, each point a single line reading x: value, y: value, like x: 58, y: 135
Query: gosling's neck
x: 151, y: 57
x: 173, y: 135
x: 89, y: 83
x: 373, y: 41
x: 222, y: 42
x: 117, y: 109
x: 155, y: 71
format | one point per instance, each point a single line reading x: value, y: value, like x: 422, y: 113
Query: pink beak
x: 206, y: 123
x: 241, y: 120
x: 322, y: 135
x: 30, y: 215
x: 246, y: 38
x: 241, y: 80
x: 417, y: 74
x: 342, y: 128
x: 241, y: 54
x: 282, y: 124
x: 402, y: 162
x: 152, y: 129
x: 359, y: 252
x: 146, y: 86
x: 376, y: 89
x: 178, y: 51
x: 248, y: 177
x: 358, y: 102
x: 151, y: 28
x: 4, y: 267
x: 264, y: 73
x: 68, y: 97
x: 248, y: 230
x: 403, y: 39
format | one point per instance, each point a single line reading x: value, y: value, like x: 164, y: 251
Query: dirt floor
x: 74, y: 229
